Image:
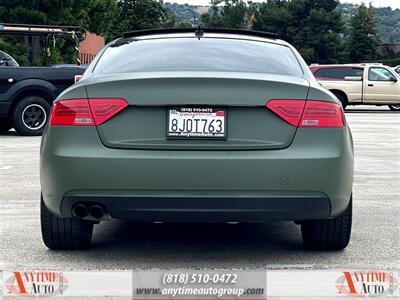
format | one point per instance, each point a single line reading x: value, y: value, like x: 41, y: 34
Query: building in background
x: 90, y: 46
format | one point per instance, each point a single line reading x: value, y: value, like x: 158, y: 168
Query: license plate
x: 196, y: 122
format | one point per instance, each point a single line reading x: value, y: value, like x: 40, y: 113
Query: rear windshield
x: 191, y: 54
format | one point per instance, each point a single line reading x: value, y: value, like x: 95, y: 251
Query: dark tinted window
x: 191, y: 54
x: 397, y: 70
x: 338, y: 73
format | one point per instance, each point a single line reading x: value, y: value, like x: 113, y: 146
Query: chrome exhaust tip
x: 96, y: 212
x: 80, y: 211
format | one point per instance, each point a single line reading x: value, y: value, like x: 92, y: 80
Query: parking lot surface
x: 123, y: 245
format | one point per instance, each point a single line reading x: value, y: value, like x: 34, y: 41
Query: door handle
x: 370, y: 84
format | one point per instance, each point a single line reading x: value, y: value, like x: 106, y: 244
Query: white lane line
x: 6, y: 167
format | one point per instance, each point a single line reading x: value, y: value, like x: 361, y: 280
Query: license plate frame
x: 198, y: 110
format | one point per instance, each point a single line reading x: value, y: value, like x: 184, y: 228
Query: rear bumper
x: 205, y: 209
x: 311, y: 179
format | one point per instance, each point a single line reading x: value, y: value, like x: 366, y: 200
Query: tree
x: 273, y: 16
x: 389, y: 24
x: 58, y: 12
x: 388, y: 21
x: 183, y: 24
x: 103, y: 15
x: 363, y: 40
x: 213, y: 17
x: 143, y: 14
x: 184, y: 13
x: 108, y: 18
x: 95, y: 15
x: 232, y: 15
x: 312, y: 26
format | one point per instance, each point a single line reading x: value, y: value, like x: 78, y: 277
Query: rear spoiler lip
x: 138, y: 33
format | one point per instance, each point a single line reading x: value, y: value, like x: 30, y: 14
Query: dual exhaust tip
x: 92, y: 212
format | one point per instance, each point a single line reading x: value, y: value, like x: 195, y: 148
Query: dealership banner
x: 320, y: 284
x: 69, y: 285
x: 196, y: 284
x: 201, y: 284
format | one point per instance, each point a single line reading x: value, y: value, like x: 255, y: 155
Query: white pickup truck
x: 368, y: 84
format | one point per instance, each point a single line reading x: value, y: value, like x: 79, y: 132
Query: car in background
x: 27, y: 93
x: 361, y: 84
x: 197, y: 125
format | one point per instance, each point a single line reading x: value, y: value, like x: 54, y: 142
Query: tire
x: 328, y: 234
x: 30, y: 115
x: 64, y: 233
x: 342, y: 98
x: 394, y: 107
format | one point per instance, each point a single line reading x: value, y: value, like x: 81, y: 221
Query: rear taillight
x: 71, y: 112
x: 105, y: 109
x: 85, y: 112
x: 310, y: 113
x: 288, y: 110
x: 322, y: 114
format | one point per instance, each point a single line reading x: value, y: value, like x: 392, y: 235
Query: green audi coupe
x: 197, y: 125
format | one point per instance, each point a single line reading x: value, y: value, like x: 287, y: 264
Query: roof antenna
x: 199, y: 33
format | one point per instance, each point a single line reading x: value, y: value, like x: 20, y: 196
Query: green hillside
x: 388, y: 19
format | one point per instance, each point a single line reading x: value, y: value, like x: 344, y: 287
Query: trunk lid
x: 249, y: 124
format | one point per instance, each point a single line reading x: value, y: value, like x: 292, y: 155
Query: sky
x: 377, y: 3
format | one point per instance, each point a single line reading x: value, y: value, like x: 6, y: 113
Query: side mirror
x: 8, y: 62
x: 353, y: 78
x: 77, y: 78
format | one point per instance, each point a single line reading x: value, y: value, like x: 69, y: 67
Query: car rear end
x: 181, y: 129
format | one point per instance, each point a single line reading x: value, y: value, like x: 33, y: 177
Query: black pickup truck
x: 27, y: 93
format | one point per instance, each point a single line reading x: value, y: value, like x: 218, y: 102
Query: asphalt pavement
x: 121, y: 245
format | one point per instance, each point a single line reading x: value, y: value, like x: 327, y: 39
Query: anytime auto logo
x: 367, y: 284
x: 35, y: 284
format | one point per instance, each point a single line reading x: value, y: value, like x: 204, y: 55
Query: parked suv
x: 371, y: 84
